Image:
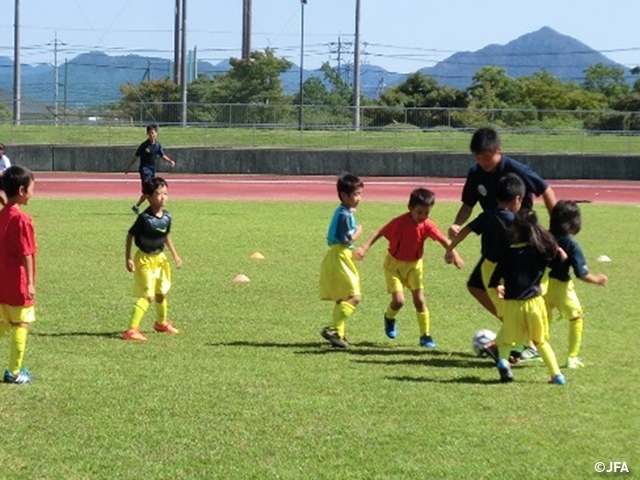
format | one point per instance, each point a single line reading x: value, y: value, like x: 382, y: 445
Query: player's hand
x: 601, y: 279
x: 178, y: 262
x: 359, y: 253
x: 500, y: 291
x: 172, y: 163
x: 131, y: 267
x: 453, y: 231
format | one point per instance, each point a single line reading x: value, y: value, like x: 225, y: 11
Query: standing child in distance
x: 151, y: 268
x: 4, y: 164
x: 565, y: 222
x: 524, y: 312
x: 17, y: 269
x: 403, y: 265
x: 339, y: 278
x: 147, y: 153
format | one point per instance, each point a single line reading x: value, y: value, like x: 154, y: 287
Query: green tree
x: 609, y: 81
x: 152, y: 100
x: 5, y: 113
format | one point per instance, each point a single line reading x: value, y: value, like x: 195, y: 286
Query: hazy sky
x: 399, y: 35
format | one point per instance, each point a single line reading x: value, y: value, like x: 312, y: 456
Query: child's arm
x: 167, y: 159
x: 28, y: 267
x: 600, y: 279
x: 173, y: 251
x: 127, y: 254
x: 128, y: 167
x: 462, y: 234
x: 360, y: 252
x: 450, y: 255
x: 462, y: 216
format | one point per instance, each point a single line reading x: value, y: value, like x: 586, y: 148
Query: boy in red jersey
x: 403, y: 266
x: 17, y: 269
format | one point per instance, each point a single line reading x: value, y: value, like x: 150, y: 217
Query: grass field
x: 444, y: 140
x: 248, y: 389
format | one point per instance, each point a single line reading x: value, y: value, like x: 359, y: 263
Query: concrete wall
x: 317, y: 162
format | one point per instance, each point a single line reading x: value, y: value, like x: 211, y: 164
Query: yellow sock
x: 390, y: 313
x: 549, y: 357
x: 575, y: 336
x: 341, y: 312
x: 504, y: 351
x: 423, y: 322
x: 18, y: 345
x: 139, y: 309
x: 162, y: 309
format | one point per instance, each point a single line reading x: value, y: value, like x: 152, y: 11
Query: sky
x: 400, y: 35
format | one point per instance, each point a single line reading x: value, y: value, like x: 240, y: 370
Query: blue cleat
x: 21, y: 378
x: 427, y: 342
x: 558, y: 380
x: 390, y: 328
x: 504, y: 369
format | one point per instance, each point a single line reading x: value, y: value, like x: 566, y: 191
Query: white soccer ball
x: 482, y: 339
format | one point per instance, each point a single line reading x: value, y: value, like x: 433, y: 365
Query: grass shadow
x: 116, y: 335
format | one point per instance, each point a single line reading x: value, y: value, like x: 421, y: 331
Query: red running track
x: 269, y: 187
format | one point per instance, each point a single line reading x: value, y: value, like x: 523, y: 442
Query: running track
x: 269, y: 187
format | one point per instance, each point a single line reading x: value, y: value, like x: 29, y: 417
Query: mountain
x: 94, y: 78
x: 562, y: 56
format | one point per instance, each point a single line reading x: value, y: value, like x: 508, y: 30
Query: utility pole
x: 356, y: 72
x: 56, y: 82
x: 300, y: 118
x: 246, y: 30
x: 183, y: 65
x: 176, y: 41
x: 16, y: 64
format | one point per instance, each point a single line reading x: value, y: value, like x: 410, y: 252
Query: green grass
x: 248, y: 389
x: 573, y: 142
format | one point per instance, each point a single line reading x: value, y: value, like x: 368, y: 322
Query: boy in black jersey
x: 150, y: 266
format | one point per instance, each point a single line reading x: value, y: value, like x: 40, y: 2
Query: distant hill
x: 94, y: 78
x: 562, y: 56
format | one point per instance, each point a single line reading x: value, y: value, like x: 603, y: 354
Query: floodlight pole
x: 183, y: 66
x: 356, y: 71
x: 16, y: 64
x: 300, y: 117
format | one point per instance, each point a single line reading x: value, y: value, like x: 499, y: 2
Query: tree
x: 609, y: 81
x: 152, y: 100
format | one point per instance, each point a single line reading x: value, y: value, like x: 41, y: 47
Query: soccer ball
x: 482, y: 339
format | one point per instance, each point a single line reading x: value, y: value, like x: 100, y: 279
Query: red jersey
x: 406, y: 238
x: 17, y: 240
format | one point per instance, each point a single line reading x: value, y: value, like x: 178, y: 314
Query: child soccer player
x: 17, y: 269
x: 152, y: 272
x: 524, y: 313
x: 565, y: 222
x: 339, y: 278
x: 147, y: 153
x: 403, y: 265
x: 4, y: 164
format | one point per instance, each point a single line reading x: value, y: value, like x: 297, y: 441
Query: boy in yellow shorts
x: 403, y: 265
x: 17, y: 269
x: 339, y: 278
x: 150, y: 266
x: 565, y: 222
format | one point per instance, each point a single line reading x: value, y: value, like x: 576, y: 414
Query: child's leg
x: 162, y: 309
x: 549, y: 357
x: 341, y: 313
x: 18, y: 346
x: 422, y: 312
x: 397, y: 302
x: 576, y: 326
x: 139, y: 309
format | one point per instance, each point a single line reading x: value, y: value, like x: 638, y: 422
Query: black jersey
x: 493, y: 225
x: 575, y: 260
x: 150, y: 232
x: 148, y: 152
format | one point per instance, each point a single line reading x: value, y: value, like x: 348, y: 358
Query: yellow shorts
x: 563, y: 297
x: 339, y: 277
x: 152, y: 275
x: 486, y: 269
x: 524, y: 319
x: 400, y: 275
x: 17, y: 314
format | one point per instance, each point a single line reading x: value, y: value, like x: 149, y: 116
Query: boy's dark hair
x: 153, y: 184
x: 485, y: 140
x: 565, y: 218
x: 509, y: 187
x: 527, y: 228
x: 348, y: 183
x: 152, y: 126
x: 15, y: 177
x: 422, y: 197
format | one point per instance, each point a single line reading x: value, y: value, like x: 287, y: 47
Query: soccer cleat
x: 529, y: 354
x: 134, y: 334
x: 390, y: 328
x: 166, y: 327
x: 427, y: 342
x: 558, y: 380
x: 21, y: 378
x: 334, y: 339
x: 504, y: 369
x: 135, y: 209
x: 574, y: 362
